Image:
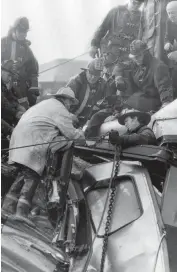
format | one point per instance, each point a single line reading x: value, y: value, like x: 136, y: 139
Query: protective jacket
x: 41, y: 124
x: 88, y: 95
x: 115, y: 34
x: 26, y: 68
x: 9, y: 109
x: 141, y: 135
x: 151, y: 85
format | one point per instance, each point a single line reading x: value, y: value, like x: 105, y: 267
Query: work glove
x: 120, y: 83
x: 164, y: 105
x: 34, y: 91
x: 93, y: 52
x: 168, y: 46
x: 173, y: 56
x: 114, y: 137
x: 19, y: 114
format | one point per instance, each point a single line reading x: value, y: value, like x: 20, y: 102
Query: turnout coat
x: 41, y: 124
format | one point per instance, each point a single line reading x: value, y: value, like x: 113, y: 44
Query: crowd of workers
x: 123, y: 81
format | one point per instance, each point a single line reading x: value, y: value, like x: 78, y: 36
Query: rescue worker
x: 150, y: 80
x: 40, y: 124
x: 138, y: 132
x: 171, y: 40
x: 16, y: 47
x: 119, y: 28
x: 11, y: 111
x: 90, y: 89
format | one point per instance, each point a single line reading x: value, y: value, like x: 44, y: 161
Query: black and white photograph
x: 88, y: 135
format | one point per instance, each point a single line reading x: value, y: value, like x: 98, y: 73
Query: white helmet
x: 66, y: 92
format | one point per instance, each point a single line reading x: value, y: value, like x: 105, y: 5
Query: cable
x: 102, y: 217
x: 63, y: 63
x: 53, y: 67
x: 24, y: 146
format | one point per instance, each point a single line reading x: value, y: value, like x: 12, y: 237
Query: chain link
x: 110, y: 210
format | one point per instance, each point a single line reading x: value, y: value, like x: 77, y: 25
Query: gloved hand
x: 34, y: 91
x: 173, y: 56
x: 19, y: 114
x: 114, y: 137
x: 93, y: 52
x: 21, y: 108
x: 120, y: 83
x: 168, y: 46
x: 164, y: 105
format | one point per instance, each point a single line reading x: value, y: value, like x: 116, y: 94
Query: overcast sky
x: 58, y: 28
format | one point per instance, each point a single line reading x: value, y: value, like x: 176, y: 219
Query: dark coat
x: 142, y: 135
x: 98, y: 92
x: 9, y: 105
x: 153, y: 83
x: 6, y: 129
x: 27, y: 65
x: 117, y: 31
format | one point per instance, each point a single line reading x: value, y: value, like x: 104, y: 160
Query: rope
x: 63, y: 63
x: 53, y: 67
x: 102, y: 217
x: 59, y: 141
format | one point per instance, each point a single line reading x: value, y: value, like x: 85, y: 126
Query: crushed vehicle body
x: 119, y: 210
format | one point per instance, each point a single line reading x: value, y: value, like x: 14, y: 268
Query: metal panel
x: 135, y: 247
x: 169, y: 202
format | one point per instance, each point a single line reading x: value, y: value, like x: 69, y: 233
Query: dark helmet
x: 21, y: 23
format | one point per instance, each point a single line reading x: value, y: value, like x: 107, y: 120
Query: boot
x: 22, y: 212
x: 25, y: 200
x: 9, y: 205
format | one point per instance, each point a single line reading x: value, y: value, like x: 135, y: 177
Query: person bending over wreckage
x: 151, y: 87
x: 150, y: 80
x: 138, y: 132
x: 91, y: 90
x: 47, y: 121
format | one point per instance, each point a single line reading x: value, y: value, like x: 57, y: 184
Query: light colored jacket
x: 41, y: 123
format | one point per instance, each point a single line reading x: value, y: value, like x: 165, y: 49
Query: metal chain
x: 110, y: 210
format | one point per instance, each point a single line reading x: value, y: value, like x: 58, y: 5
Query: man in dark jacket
x: 138, y: 132
x: 15, y: 47
x: 150, y: 80
x: 171, y: 41
x: 11, y: 111
x: 119, y: 28
x: 90, y: 89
